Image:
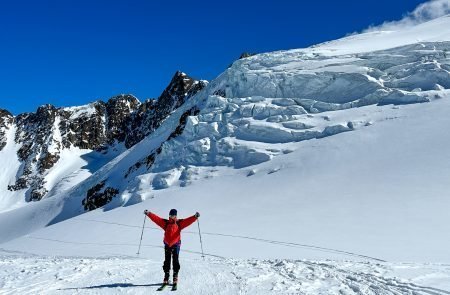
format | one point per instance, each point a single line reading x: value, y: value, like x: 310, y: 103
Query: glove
x: 197, y: 215
x: 146, y: 212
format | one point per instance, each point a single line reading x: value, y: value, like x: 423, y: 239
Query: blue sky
x: 74, y: 52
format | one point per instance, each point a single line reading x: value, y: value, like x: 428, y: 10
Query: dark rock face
x: 246, y: 54
x: 97, y: 196
x: 86, y: 130
x: 118, y: 111
x: 150, y: 159
x: 153, y: 112
x: 182, y: 122
x: 6, y: 119
x: 37, y: 133
x: 34, y: 132
x: 103, y: 126
x: 98, y: 126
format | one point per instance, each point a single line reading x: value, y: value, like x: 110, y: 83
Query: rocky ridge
x: 119, y: 123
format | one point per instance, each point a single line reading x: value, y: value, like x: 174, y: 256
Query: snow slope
x: 313, y: 203
x: 435, y: 30
x: 331, y: 152
x: 8, y: 170
x: 376, y: 191
x: 123, y: 275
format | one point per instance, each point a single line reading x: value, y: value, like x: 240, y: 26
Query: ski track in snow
x: 118, y: 275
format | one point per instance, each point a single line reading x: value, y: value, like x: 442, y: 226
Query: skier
x: 172, y: 241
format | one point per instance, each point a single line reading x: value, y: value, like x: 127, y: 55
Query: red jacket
x: 172, y: 229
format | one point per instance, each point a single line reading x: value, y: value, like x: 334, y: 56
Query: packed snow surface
x: 128, y: 275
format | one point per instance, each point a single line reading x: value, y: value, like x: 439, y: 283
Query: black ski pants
x: 172, y: 253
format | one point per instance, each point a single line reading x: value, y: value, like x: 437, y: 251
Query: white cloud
x: 423, y: 13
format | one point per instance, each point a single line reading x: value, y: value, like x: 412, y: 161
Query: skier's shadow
x: 117, y: 285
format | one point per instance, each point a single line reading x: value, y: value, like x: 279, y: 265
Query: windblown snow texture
x: 31, y: 275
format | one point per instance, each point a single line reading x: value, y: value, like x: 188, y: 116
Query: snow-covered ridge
x: 388, y: 76
x: 276, y: 98
x: 436, y: 30
x: 78, y: 111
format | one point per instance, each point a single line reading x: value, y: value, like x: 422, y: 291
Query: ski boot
x: 175, y: 282
x: 166, y: 278
x: 165, y: 282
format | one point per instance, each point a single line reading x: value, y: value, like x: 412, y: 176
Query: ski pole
x: 200, y: 235
x: 142, y: 233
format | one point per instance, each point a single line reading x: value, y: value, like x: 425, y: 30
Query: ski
x: 162, y: 287
x: 174, y: 287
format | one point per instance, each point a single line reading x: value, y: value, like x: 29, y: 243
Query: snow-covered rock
x: 93, y: 134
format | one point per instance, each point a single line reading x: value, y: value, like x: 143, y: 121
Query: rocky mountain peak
x: 6, y: 118
x: 152, y: 112
x: 5, y: 113
x: 123, y: 101
x: 177, y: 90
x: 246, y: 54
x: 46, y: 108
x: 97, y: 126
x: 118, y: 110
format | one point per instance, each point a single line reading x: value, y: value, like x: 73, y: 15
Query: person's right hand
x: 146, y: 211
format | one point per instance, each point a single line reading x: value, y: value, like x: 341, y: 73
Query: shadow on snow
x: 116, y: 285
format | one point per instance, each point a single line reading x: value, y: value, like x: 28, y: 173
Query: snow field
x: 366, y: 207
x: 121, y: 275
